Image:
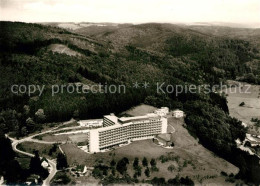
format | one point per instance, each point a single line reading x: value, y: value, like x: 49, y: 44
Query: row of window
x: 107, y: 144
x: 119, y: 137
x: 127, y: 132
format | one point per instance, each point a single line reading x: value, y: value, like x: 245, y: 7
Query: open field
x: 71, y: 124
x: 42, y: 148
x: 23, y: 160
x: 140, y: 110
x: 250, y: 95
x: 54, y: 138
x: 193, y: 159
x: 62, y: 49
x: 73, y: 179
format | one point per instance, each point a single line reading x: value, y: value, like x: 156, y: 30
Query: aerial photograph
x: 130, y: 92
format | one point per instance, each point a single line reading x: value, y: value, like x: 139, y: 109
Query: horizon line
x: 250, y: 25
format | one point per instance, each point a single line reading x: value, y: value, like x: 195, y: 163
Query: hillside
x: 40, y: 55
x: 226, y: 52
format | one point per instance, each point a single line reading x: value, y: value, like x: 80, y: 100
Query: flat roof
x: 108, y: 128
x: 126, y: 121
x: 139, y: 118
x: 111, y: 117
x: 166, y: 137
x: 177, y: 110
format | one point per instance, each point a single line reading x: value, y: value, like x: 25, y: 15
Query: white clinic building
x: 178, y: 113
x: 163, y: 111
x: 116, y: 130
x: 91, y: 123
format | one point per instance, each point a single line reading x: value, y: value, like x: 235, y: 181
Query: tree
x: 138, y: 171
x: 13, y: 173
x: 145, y: 162
x: 126, y: 160
x: 24, y: 131
x: 112, y: 163
x: 76, y: 114
x: 171, y: 168
x: 6, y: 151
x: 40, y: 116
x: 186, y: 181
x: 61, y: 161
x: 136, y: 163
x: 242, y: 104
x: 181, y: 181
x: 26, y: 110
x: 121, y: 166
x: 36, y: 167
x: 153, y: 162
x: 251, y: 78
x: 247, y: 144
x: 61, y: 179
x: 30, y: 124
x: 10, y: 169
x: 113, y: 171
x: 53, y: 149
x: 35, y: 163
x: 147, y: 172
x: 97, y: 173
x: 158, y: 181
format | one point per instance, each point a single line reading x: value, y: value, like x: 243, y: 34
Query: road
x: 52, y: 172
x: 52, y: 163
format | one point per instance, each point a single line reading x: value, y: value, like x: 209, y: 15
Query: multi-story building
x: 121, y: 130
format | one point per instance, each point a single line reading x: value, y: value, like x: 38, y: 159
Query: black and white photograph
x: 130, y: 92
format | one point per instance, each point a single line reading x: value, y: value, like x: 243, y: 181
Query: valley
x: 45, y: 54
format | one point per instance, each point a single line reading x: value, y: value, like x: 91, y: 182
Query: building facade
x: 122, y: 130
x: 109, y: 120
x: 178, y: 113
x: 163, y: 111
x: 91, y: 123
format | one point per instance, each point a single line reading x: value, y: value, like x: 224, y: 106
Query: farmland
x: 250, y: 95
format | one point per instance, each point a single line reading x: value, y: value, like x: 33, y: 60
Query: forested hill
x: 225, y: 56
x: 46, y: 55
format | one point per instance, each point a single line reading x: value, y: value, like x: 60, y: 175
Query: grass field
x: 62, y: 49
x: 201, y: 164
x: 140, y: 110
x: 72, y: 124
x: 54, y: 138
x: 23, y: 160
x: 250, y: 97
x: 42, y: 148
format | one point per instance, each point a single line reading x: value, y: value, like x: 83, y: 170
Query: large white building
x: 116, y: 130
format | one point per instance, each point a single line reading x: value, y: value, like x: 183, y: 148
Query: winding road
x: 52, y: 163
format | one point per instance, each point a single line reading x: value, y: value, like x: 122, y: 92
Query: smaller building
x: 164, y: 139
x: 91, y: 123
x: 178, y: 113
x: 44, y: 163
x: 163, y: 111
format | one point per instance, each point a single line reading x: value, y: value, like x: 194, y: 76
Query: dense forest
x: 136, y: 53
